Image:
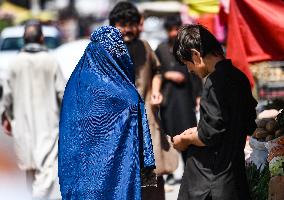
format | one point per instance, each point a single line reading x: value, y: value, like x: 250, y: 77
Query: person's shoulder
x: 239, y: 73
x: 48, y: 59
x: 227, y: 70
x: 162, y: 46
x: 233, y: 76
x: 143, y: 41
x: 146, y: 44
x: 240, y: 77
x: 46, y: 55
x: 222, y: 78
x: 20, y: 57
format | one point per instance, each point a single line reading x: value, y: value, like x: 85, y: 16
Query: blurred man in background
x: 127, y: 19
x: 180, y: 88
x: 32, y: 100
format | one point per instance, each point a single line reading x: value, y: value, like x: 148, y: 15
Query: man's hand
x: 175, y: 76
x: 6, y: 125
x: 156, y: 98
x: 182, y: 141
x: 186, y: 138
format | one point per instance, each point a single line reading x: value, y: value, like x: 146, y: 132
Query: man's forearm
x: 157, y: 83
x: 187, y: 138
x: 195, y: 140
x: 192, y: 138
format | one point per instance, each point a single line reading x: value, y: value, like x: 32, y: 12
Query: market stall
x: 267, y: 157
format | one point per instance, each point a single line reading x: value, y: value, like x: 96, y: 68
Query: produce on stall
x: 270, y: 134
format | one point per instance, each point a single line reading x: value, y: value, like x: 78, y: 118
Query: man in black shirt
x: 216, y: 165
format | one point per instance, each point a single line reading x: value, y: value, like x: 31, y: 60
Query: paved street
x: 173, y: 192
x: 12, y: 181
x: 172, y: 195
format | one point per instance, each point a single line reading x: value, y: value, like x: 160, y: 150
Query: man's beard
x: 129, y: 37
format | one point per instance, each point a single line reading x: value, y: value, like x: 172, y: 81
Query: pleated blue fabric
x: 104, y: 138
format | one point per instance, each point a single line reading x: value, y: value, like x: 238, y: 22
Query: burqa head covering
x: 104, y: 138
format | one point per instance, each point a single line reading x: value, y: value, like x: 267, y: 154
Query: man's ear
x: 196, y: 57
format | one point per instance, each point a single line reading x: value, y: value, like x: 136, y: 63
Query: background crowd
x: 171, y: 94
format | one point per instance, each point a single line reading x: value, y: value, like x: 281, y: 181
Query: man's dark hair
x: 33, y: 32
x: 172, y: 21
x: 124, y: 12
x: 195, y: 37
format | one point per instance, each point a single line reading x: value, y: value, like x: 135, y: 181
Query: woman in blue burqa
x: 104, y: 139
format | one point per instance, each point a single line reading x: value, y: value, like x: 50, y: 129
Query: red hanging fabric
x: 255, y: 32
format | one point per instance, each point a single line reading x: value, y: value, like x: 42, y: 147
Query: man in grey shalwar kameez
x: 32, y: 100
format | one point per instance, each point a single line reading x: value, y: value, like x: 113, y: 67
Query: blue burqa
x: 104, y: 137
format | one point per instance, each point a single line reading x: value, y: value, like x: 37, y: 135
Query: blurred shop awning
x: 199, y: 7
x: 21, y: 14
x: 255, y: 32
x: 97, y: 8
x: 196, y: 7
x: 160, y: 6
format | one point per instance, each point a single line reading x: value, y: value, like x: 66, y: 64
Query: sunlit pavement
x: 172, y: 192
x: 12, y: 187
x: 12, y: 180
